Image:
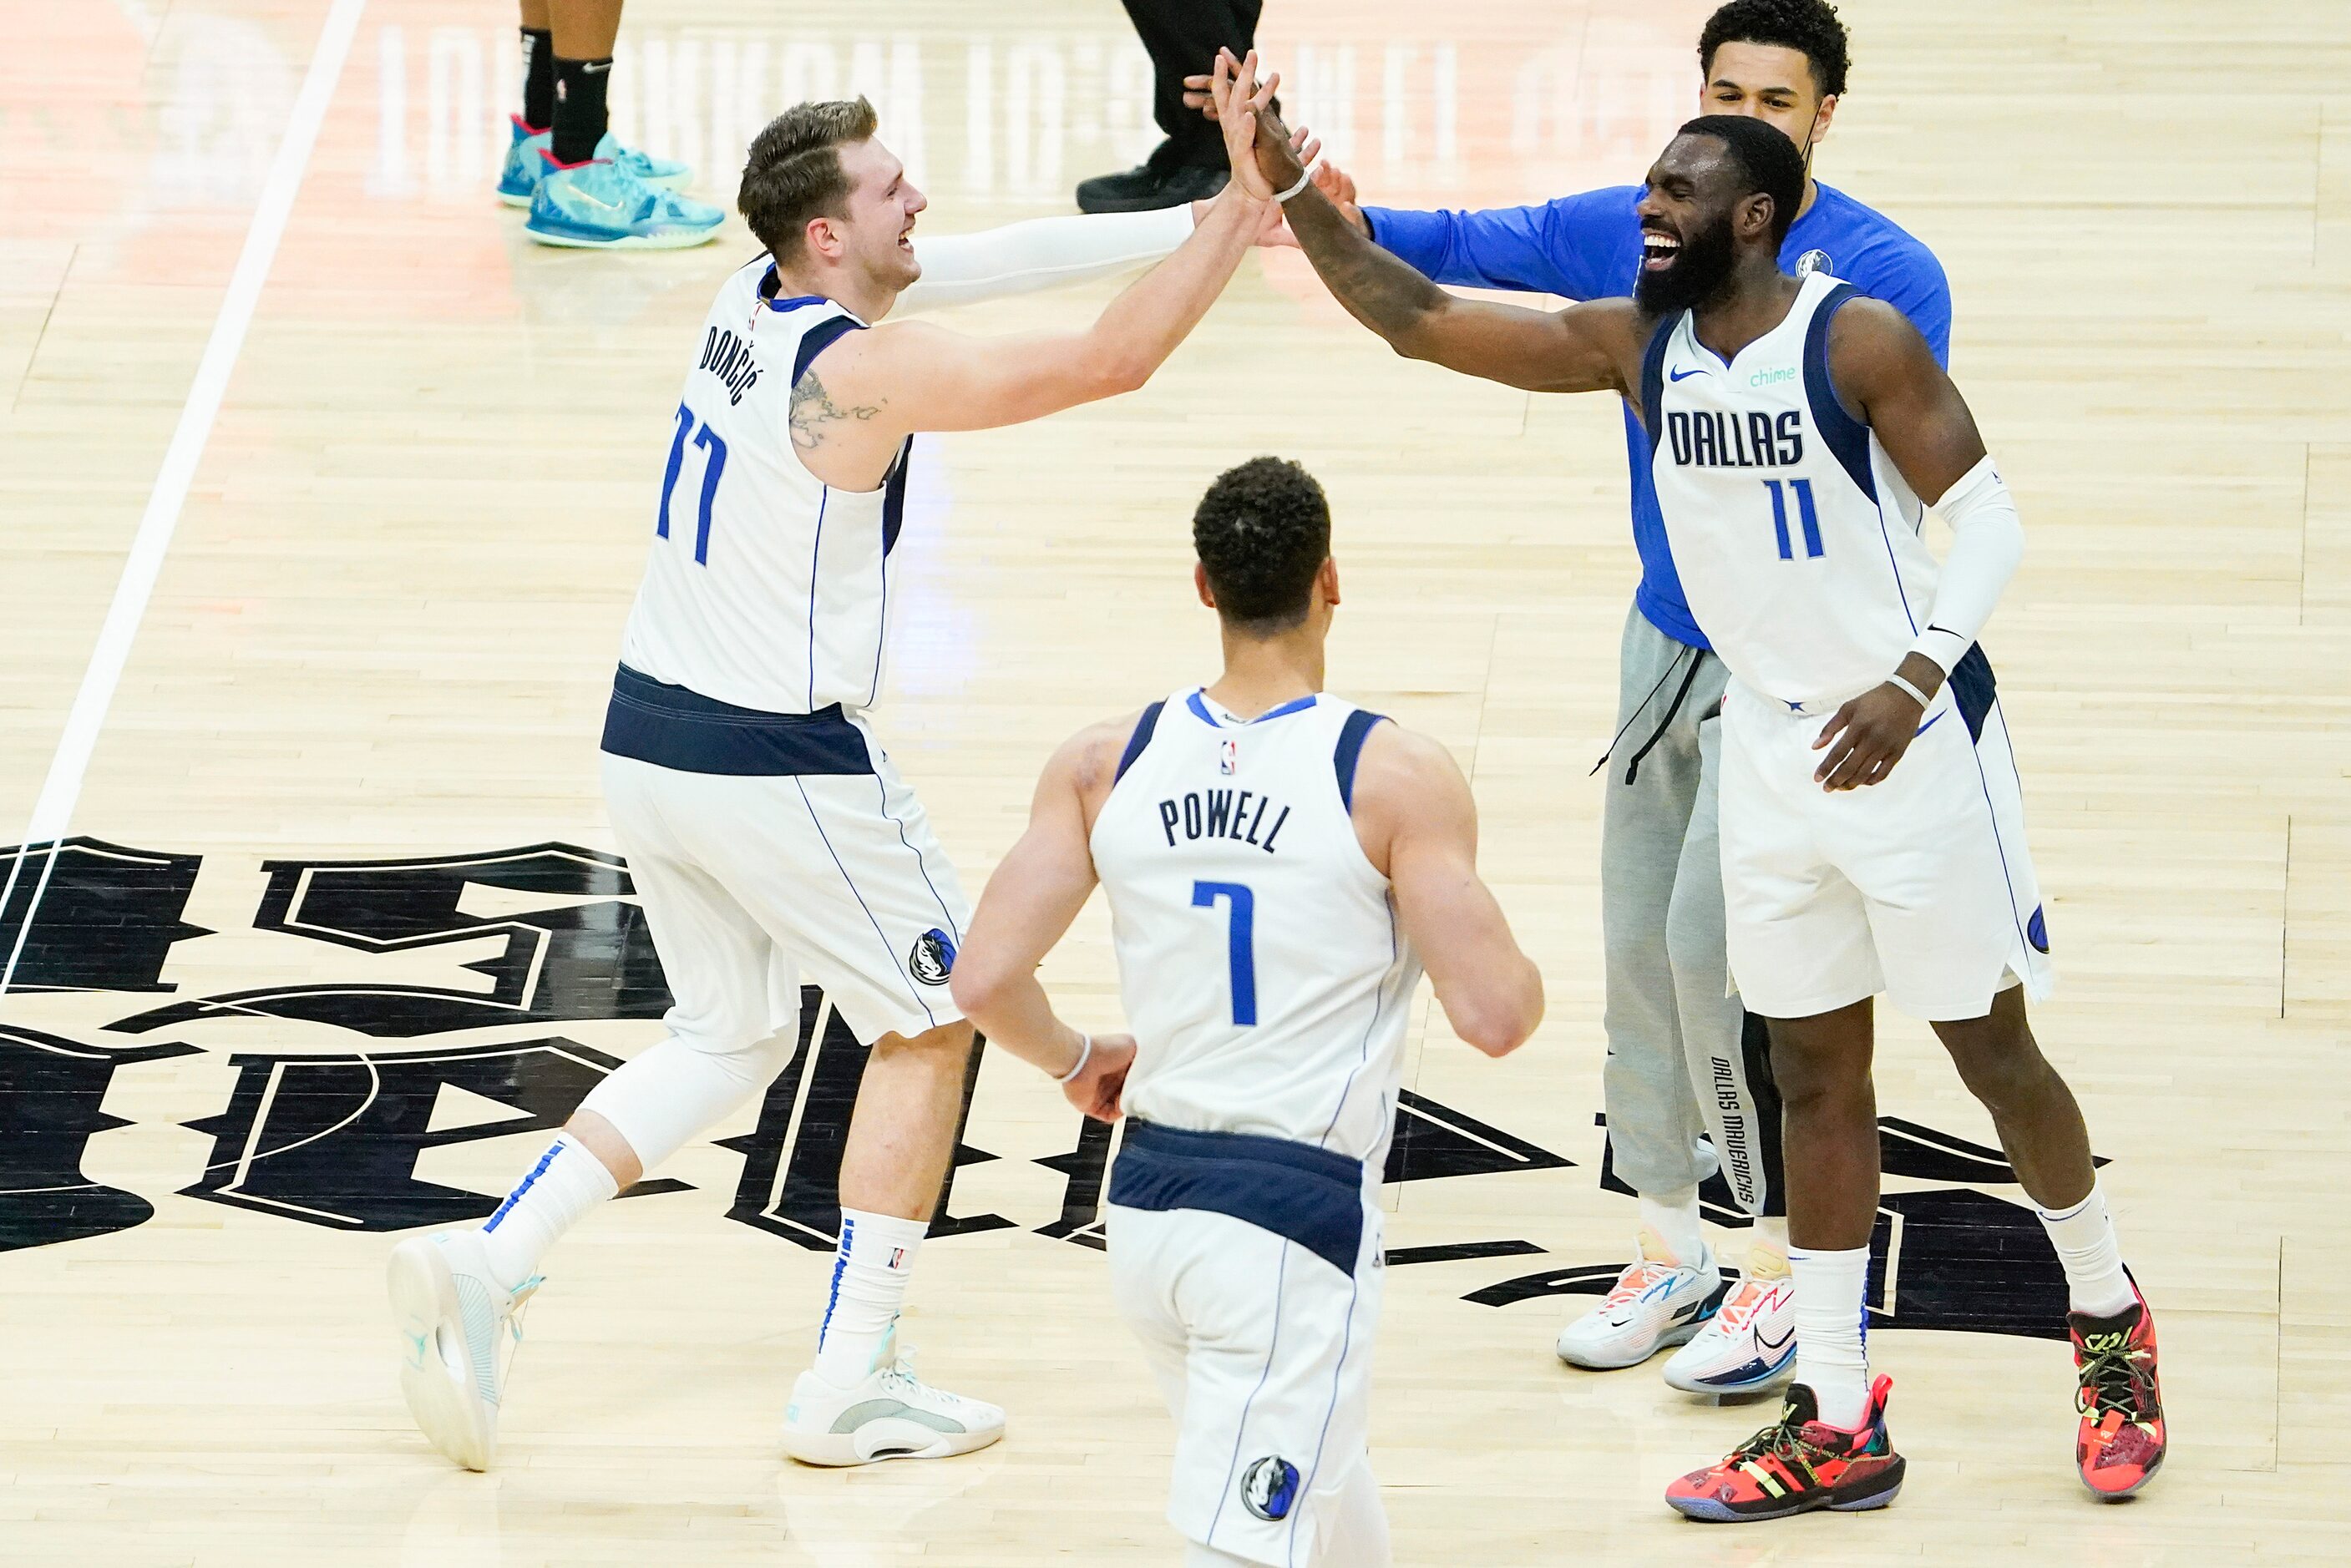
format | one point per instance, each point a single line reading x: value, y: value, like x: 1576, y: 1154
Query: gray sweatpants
x: 1679, y: 1054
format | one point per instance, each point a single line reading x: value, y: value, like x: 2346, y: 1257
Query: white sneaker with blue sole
x: 599, y: 206
x: 1653, y: 1306
x: 525, y: 166
x: 455, y: 1323
x: 1748, y: 1347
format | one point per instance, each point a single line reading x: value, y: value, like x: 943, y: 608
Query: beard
x: 1696, y: 270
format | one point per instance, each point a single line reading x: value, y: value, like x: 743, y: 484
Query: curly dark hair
x: 1809, y: 26
x: 1262, y: 531
x: 1765, y: 155
x: 794, y: 173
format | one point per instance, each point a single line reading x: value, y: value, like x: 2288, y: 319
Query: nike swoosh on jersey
x: 1684, y: 375
x: 1928, y: 725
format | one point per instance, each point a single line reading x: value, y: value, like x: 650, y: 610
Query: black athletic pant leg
x: 1182, y: 37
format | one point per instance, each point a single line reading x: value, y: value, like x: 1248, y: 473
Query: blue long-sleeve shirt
x: 1589, y: 247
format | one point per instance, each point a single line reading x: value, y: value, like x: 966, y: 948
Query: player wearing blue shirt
x: 1681, y: 1055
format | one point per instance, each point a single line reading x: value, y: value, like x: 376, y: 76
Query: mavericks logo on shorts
x: 933, y: 958
x: 1269, y: 1488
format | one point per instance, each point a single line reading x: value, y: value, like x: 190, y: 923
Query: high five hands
x: 1333, y: 182
x: 1258, y: 143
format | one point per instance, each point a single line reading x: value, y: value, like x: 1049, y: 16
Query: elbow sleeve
x: 1987, y: 542
x: 1020, y: 258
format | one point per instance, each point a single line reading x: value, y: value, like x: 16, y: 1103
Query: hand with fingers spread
x: 1273, y: 233
x: 1244, y: 111
x: 1868, y: 735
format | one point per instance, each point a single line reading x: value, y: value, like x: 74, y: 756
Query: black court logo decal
x: 1269, y: 1488
x: 933, y: 958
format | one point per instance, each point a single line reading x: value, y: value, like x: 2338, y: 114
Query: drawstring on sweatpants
x: 1681, y: 695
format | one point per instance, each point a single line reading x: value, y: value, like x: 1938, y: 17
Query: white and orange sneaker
x: 1655, y: 1303
x: 1748, y: 1347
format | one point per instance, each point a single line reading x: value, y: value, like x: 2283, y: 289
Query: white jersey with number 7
x: 1259, y: 959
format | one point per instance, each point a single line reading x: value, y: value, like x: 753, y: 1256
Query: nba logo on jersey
x: 1229, y: 758
x: 1811, y: 262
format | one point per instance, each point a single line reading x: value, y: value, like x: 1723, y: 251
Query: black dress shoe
x: 1146, y: 187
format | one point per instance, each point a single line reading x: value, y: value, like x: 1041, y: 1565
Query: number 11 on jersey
x: 1807, y: 516
x: 1240, y: 941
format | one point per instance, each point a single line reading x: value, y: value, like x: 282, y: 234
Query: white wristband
x: 1916, y: 695
x: 1305, y: 178
x: 1085, y: 1055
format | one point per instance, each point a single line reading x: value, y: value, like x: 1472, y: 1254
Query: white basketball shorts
x: 1262, y: 1346
x: 1920, y: 886
x: 836, y: 878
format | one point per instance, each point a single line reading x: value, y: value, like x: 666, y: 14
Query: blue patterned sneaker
x: 600, y: 205
x: 518, y: 180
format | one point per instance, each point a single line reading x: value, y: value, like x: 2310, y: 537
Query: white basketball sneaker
x: 1654, y: 1304
x: 891, y: 1415
x: 455, y: 1323
x: 1748, y: 1347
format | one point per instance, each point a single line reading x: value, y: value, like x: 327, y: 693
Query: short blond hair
x: 794, y: 170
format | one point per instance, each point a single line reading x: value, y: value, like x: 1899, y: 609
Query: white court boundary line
x: 70, y: 763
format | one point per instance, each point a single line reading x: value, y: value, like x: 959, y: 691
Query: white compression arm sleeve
x: 1020, y: 258
x: 1986, y: 542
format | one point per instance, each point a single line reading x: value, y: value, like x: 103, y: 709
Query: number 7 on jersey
x: 1240, y: 941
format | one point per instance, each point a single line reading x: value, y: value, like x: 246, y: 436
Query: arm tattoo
x: 1380, y: 291
x: 814, y: 409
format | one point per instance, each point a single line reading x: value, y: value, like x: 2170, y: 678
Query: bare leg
x: 601, y: 1138
x: 1829, y: 1126
x: 534, y: 14
x: 2040, y: 1125
x: 1830, y: 1117
x: 902, y: 1134
x: 584, y: 29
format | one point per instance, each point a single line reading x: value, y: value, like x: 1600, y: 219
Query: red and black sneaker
x: 2122, y: 1439
x: 1799, y: 1464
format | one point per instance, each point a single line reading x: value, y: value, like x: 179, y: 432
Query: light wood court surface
x: 387, y: 624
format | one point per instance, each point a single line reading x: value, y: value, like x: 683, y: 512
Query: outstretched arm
x: 1888, y: 374
x: 1041, y: 252
x: 1584, y: 348
x: 1419, y: 823
x: 890, y: 382
x: 1049, y: 252
x: 1027, y: 907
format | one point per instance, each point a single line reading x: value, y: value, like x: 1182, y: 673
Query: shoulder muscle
x: 1407, y: 781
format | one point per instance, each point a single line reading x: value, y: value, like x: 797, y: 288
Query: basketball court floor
x: 337, y: 930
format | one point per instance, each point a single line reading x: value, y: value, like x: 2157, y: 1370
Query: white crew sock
x: 869, y: 1271
x: 2084, y: 1236
x: 1832, y: 1354
x: 1669, y: 1229
x: 1767, y: 1250
x: 565, y: 1183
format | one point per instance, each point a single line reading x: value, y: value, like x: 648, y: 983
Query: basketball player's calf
x: 2121, y: 1441
x: 1822, y: 1065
